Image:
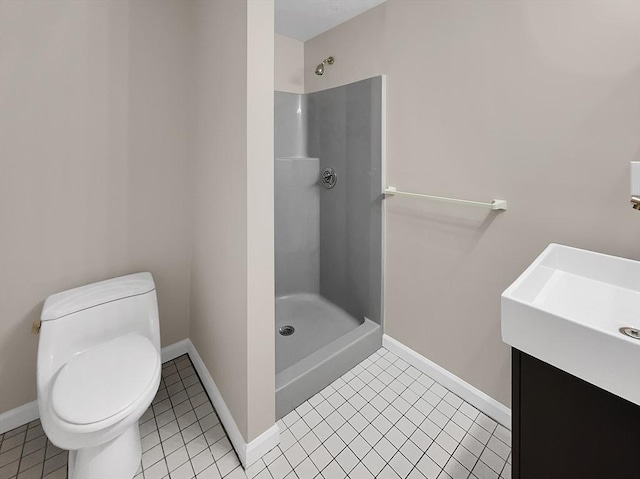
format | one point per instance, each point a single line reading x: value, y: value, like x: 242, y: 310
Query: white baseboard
x: 453, y: 383
x: 262, y: 445
x: 175, y: 350
x: 19, y: 416
x: 248, y: 453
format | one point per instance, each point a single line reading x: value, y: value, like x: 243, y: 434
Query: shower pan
x: 328, y: 232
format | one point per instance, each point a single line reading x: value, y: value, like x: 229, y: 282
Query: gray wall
x: 290, y: 125
x: 297, y: 200
x: 345, y: 134
x: 297, y: 226
x: 330, y: 241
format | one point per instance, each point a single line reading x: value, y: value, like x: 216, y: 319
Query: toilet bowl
x: 99, y: 369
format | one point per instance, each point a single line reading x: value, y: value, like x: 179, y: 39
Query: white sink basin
x: 567, y: 308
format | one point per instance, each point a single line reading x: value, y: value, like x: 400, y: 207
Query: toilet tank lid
x: 78, y: 299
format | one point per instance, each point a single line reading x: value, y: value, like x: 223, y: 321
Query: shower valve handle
x: 329, y: 178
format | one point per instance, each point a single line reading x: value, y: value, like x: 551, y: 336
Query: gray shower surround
x: 328, y: 241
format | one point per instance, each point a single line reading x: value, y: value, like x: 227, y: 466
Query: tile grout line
x: 173, y: 406
x: 391, y: 363
x: 164, y: 456
x: 459, y: 443
x: 335, y: 431
x: 415, y: 466
x: 400, y: 402
x: 214, y: 411
x: 411, y: 405
x: 335, y: 409
x: 369, y: 423
x: 24, y: 440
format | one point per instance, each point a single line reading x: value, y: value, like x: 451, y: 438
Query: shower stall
x: 328, y: 235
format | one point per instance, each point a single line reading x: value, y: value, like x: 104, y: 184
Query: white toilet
x: 98, y: 371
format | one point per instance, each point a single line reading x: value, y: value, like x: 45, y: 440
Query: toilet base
x: 118, y: 458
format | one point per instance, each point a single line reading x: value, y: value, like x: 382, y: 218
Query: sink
x: 567, y: 310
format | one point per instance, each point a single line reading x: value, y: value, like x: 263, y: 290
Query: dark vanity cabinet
x: 566, y: 428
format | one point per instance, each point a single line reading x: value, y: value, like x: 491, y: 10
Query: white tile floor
x: 382, y: 419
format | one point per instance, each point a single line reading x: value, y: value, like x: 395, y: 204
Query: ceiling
x: 305, y: 19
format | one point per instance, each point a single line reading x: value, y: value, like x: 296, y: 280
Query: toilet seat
x: 103, y: 382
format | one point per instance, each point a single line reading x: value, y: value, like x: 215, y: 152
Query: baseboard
x: 175, y: 350
x: 453, y: 383
x: 19, y: 416
x: 248, y: 453
x: 29, y: 412
x: 262, y: 445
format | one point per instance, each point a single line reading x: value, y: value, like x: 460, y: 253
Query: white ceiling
x: 305, y: 19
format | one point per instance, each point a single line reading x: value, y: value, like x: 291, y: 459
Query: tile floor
x: 382, y: 419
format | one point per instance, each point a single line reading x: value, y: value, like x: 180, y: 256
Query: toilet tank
x: 78, y: 319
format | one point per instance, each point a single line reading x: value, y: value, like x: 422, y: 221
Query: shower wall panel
x: 297, y: 226
x: 290, y: 125
x: 345, y: 133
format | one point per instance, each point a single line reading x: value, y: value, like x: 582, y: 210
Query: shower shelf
x: 496, y: 205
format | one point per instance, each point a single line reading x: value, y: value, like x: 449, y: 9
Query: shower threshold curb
x: 313, y: 373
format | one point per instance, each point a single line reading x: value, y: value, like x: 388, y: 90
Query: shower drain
x: 287, y: 330
x: 631, y: 332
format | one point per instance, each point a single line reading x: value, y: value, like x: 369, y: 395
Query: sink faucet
x: 635, y: 202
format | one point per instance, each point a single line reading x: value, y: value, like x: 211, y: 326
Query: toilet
x: 99, y: 369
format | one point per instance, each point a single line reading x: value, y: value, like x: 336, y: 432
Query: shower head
x: 320, y: 67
